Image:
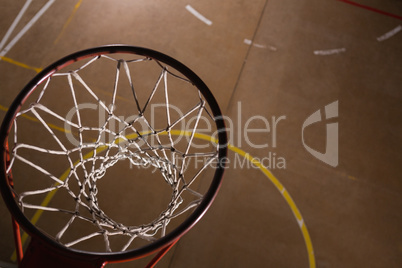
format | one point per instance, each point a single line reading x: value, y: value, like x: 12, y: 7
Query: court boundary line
x: 20, y: 64
x: 378, y: 11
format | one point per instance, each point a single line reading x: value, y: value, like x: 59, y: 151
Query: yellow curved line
x: 278, y: 185
x: 254, y: 161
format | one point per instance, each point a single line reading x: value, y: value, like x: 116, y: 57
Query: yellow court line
x: 36, y: 120
x: 254, y: 161
x: 70, y: 18
x: 34, y: 220
x: 288, y: 198
x: 20, y: 64
x: 5, y: 109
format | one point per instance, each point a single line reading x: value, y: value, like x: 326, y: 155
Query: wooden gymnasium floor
x: 271, y: 65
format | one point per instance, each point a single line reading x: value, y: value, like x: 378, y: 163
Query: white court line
x: 329, y: 51
x: 389, y: 34
x: 26, y: 28
x: 300, y: 222
x: 249, y: 42
x: 15, y: 22
x: 259, y: 46
x: 198, y: 15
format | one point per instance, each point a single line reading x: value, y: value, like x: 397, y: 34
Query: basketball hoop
x: 110, y: 154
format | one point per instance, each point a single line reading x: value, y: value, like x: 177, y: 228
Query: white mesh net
x: 112, y: 125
